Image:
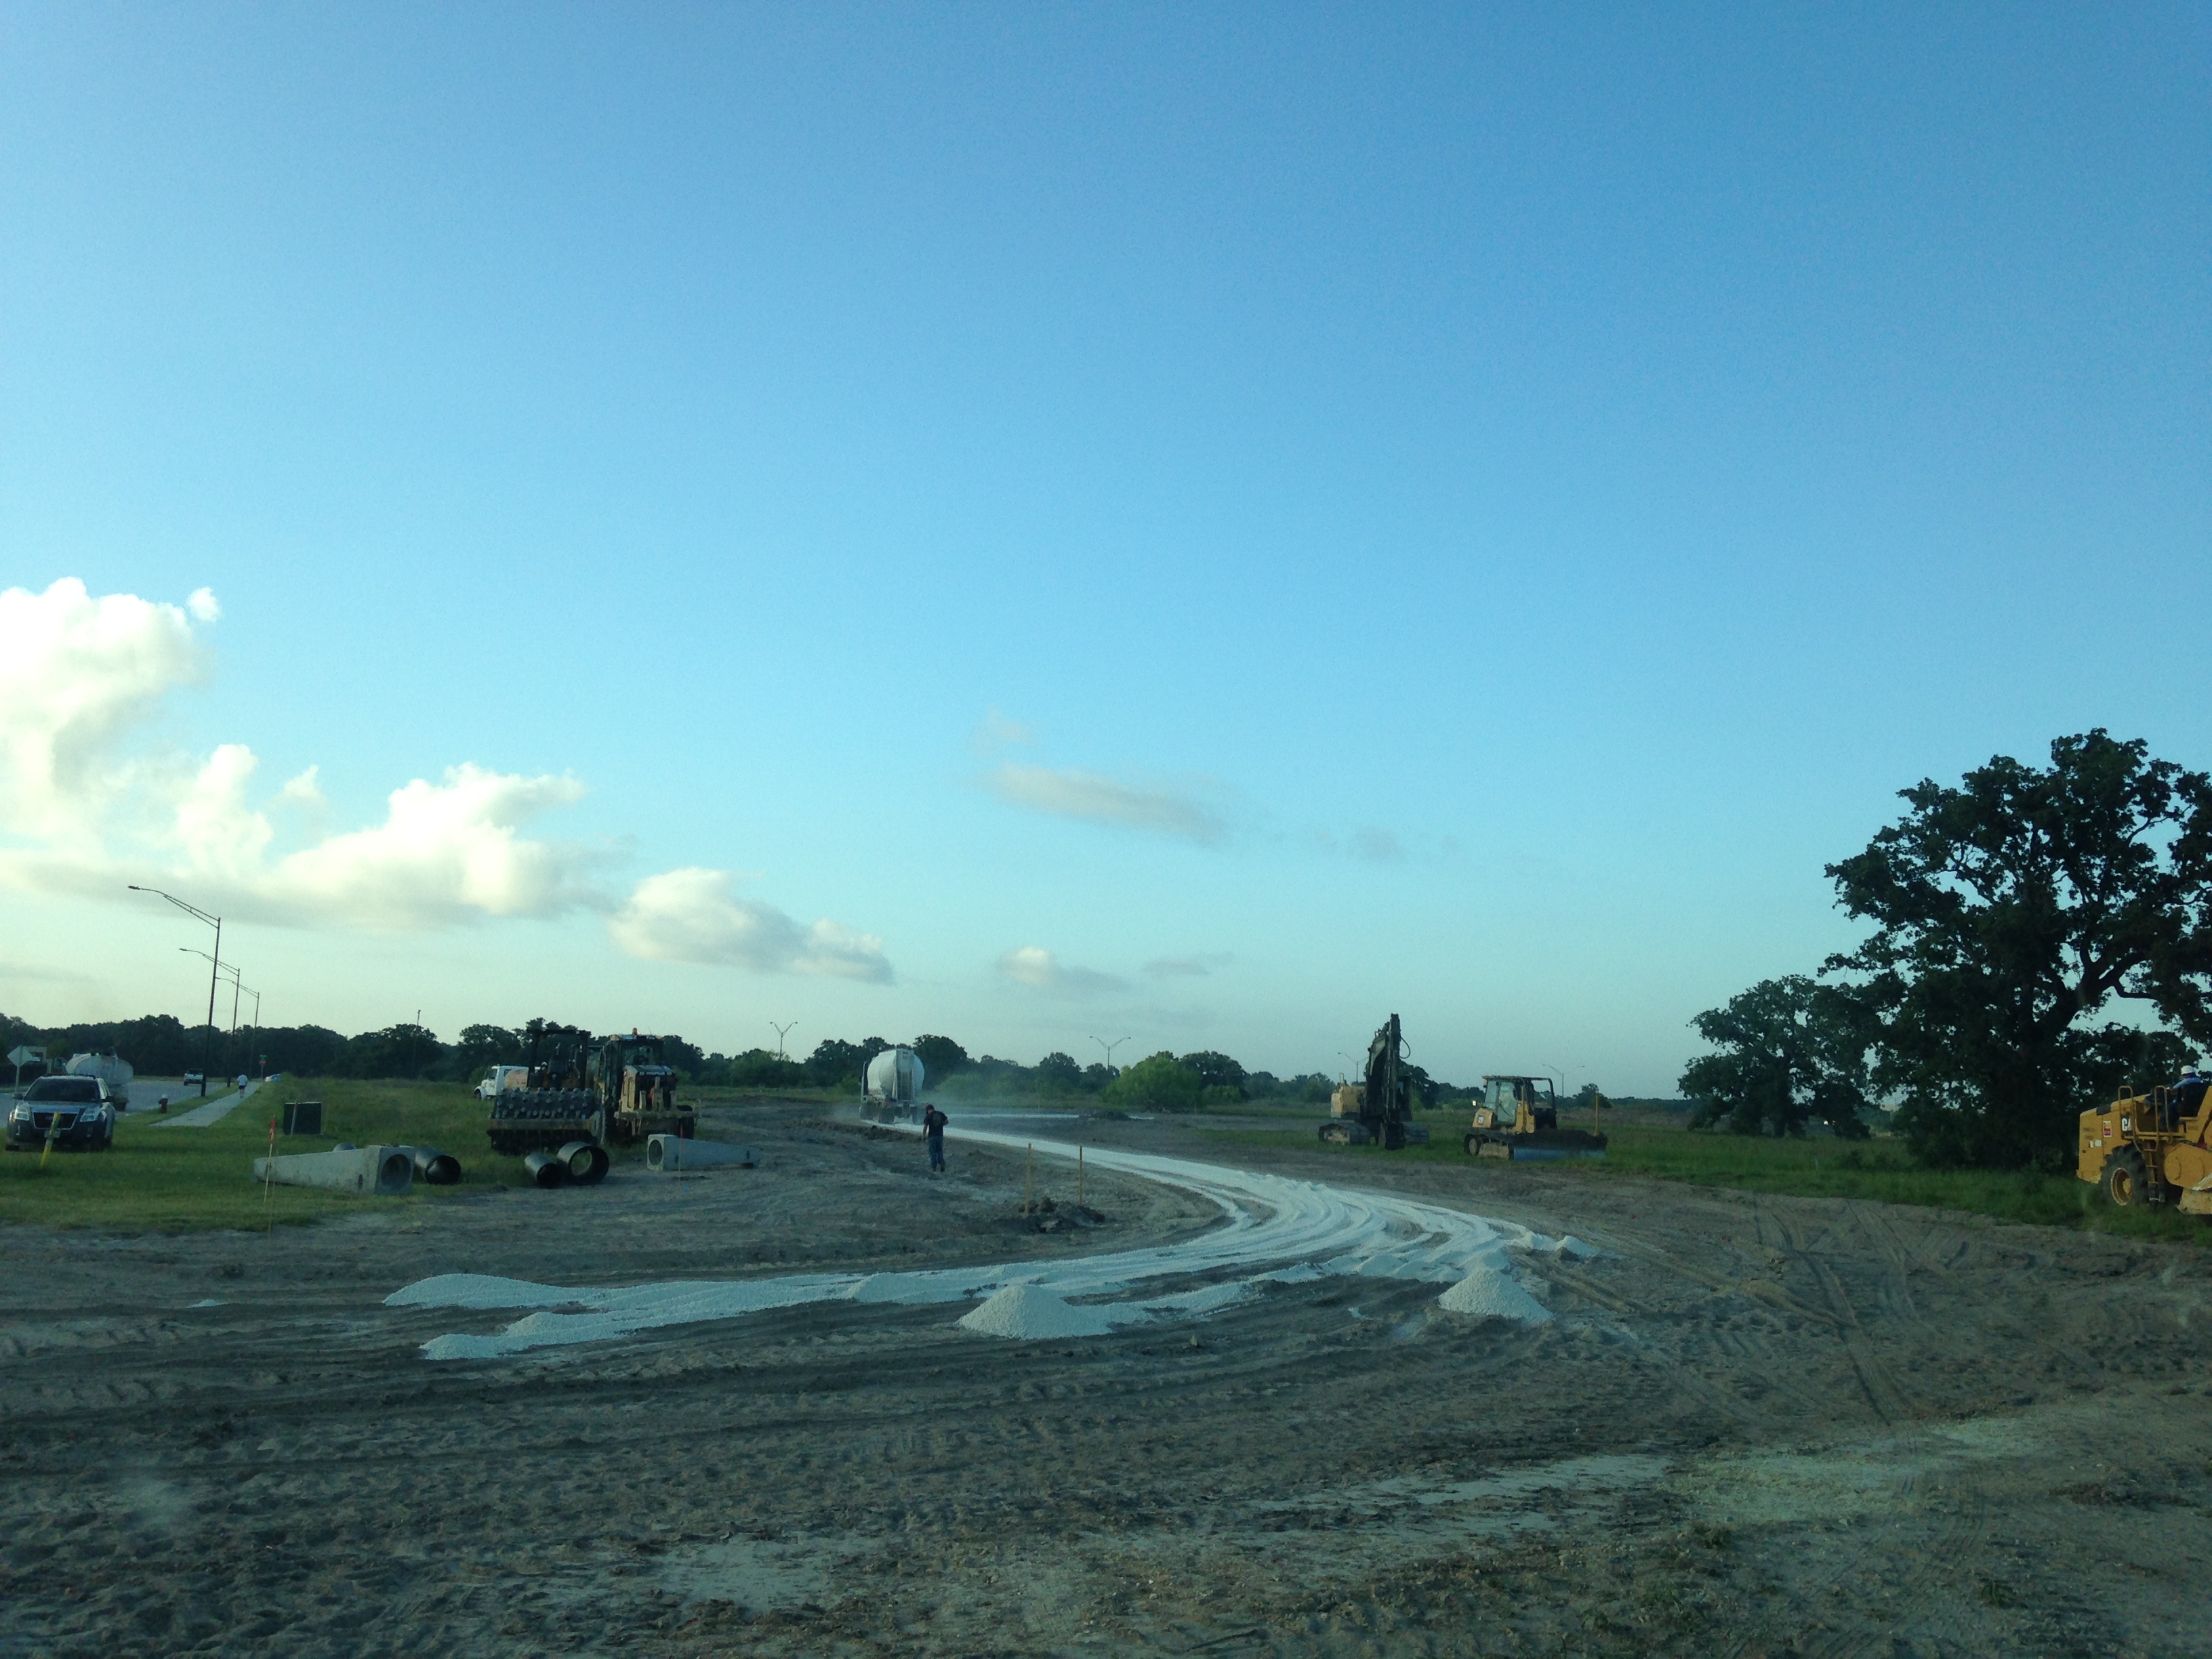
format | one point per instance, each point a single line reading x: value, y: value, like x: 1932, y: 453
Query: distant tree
x: 1058, y: 1073
x: 1790, y: 1051
x: 1262, y: 1085
x: 762, y: 1068
x: 2008, y: 913
x: 940, y: 1057
x: 836, y: 1064
x: 1215, y: 1071
x: 480, y: 1045
x: 404, y: 1050
x: 1098, y: 1076
x: 1162, y: 1083
x: 685, y: 1058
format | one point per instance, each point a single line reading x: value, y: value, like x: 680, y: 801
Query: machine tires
x: 2123, y: 1180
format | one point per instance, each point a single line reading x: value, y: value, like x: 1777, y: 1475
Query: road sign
x: 21, y: 1054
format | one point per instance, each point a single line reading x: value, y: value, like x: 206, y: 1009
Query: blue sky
x: 1201, y: 524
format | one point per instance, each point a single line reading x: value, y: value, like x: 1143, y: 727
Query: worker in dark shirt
x: 932, y: 1131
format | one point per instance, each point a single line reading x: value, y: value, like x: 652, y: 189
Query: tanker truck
x: 891, y: 1090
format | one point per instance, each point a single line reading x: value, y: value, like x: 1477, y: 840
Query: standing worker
x: 932, y: 1131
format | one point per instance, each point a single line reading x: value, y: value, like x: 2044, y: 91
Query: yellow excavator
x: 2152, y: 1148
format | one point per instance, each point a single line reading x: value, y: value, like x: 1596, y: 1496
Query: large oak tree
x: 2013, y: 914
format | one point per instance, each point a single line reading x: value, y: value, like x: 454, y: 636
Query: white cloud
x: 86, y: 814
x: 305, y: 791
x: 76, y: 674
x: 1040, y: 971
x: 1092, y: 798
x: 696, y: 915
x: 445, y: 853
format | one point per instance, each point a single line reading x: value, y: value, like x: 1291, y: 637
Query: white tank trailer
x: 110, y: 1068
x: 892, y: 1093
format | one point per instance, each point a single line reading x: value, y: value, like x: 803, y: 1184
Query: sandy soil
x: 1757, y: 1425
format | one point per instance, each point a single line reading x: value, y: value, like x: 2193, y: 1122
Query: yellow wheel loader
x: 2151, y: 1149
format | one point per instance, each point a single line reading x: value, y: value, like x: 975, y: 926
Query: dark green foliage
x: 2010, y: 912
x: 1058, y: 1073
x: 1162, y: 1083
x: 1215, y: 1071
x: 836, y: 1064
x: 759, y: 1068
x: 940, y: 1057
x: 1790, y: 1051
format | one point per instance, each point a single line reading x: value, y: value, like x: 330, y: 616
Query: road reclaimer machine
x: 2151, y: 1149
x: 1381, y: 1110
x: 1517, y: 1118
x: 609, y: 1090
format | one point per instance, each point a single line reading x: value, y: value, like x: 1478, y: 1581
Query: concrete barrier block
x: 383, y: 1171
x: 666, y: 1154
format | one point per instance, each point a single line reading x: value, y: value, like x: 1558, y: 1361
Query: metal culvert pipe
x: 587, y: 1161
x: 438, y: 1169
x: 546, y: 1168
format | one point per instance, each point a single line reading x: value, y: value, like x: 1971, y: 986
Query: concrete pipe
x: 546, y: 1168
x: 666, y: 1154
x: 587, y: 1161
x: 435, y: 1168
x: 385, y: 1171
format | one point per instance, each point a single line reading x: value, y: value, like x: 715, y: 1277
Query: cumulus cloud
x: 1040, y: 971
x: 445, y: 853
x: 1092, y: 798
x: 86, y: 813
x: 696, y: 915
x: 76, y: 675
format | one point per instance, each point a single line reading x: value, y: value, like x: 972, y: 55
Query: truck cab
x: 501, y: 1079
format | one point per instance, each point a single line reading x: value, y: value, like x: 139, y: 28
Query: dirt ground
x: 1757, y: 1425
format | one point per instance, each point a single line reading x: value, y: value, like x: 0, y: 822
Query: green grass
x: 1825, y: 1168
x: 180, y: 1179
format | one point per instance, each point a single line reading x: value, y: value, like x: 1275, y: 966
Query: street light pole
x: 1109, y: 1048
x: 779, y: 1031
x: 206, y: 1065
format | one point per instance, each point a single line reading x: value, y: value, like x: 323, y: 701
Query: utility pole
x: 216, y: 922
x: 1109, y: 1048
x: 779, y: 1031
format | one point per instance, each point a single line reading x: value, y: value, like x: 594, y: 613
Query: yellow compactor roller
x: 2151, y: 1149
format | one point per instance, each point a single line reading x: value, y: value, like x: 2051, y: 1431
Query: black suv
x: 73, y: 1111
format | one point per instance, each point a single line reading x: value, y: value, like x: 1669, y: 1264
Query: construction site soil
x: 1754, y: 1425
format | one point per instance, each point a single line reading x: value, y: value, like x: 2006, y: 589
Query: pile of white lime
x: 1025, y: 1311
x: 1491, y: 1293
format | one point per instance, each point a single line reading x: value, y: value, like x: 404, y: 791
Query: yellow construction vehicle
x: 2151, y: 1148
x: 1518, y: 1117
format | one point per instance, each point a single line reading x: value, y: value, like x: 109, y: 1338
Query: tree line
x: 2012, y: 917
x: 160, y: 1045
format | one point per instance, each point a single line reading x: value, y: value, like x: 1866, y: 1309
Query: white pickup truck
x: 501, y: 1079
